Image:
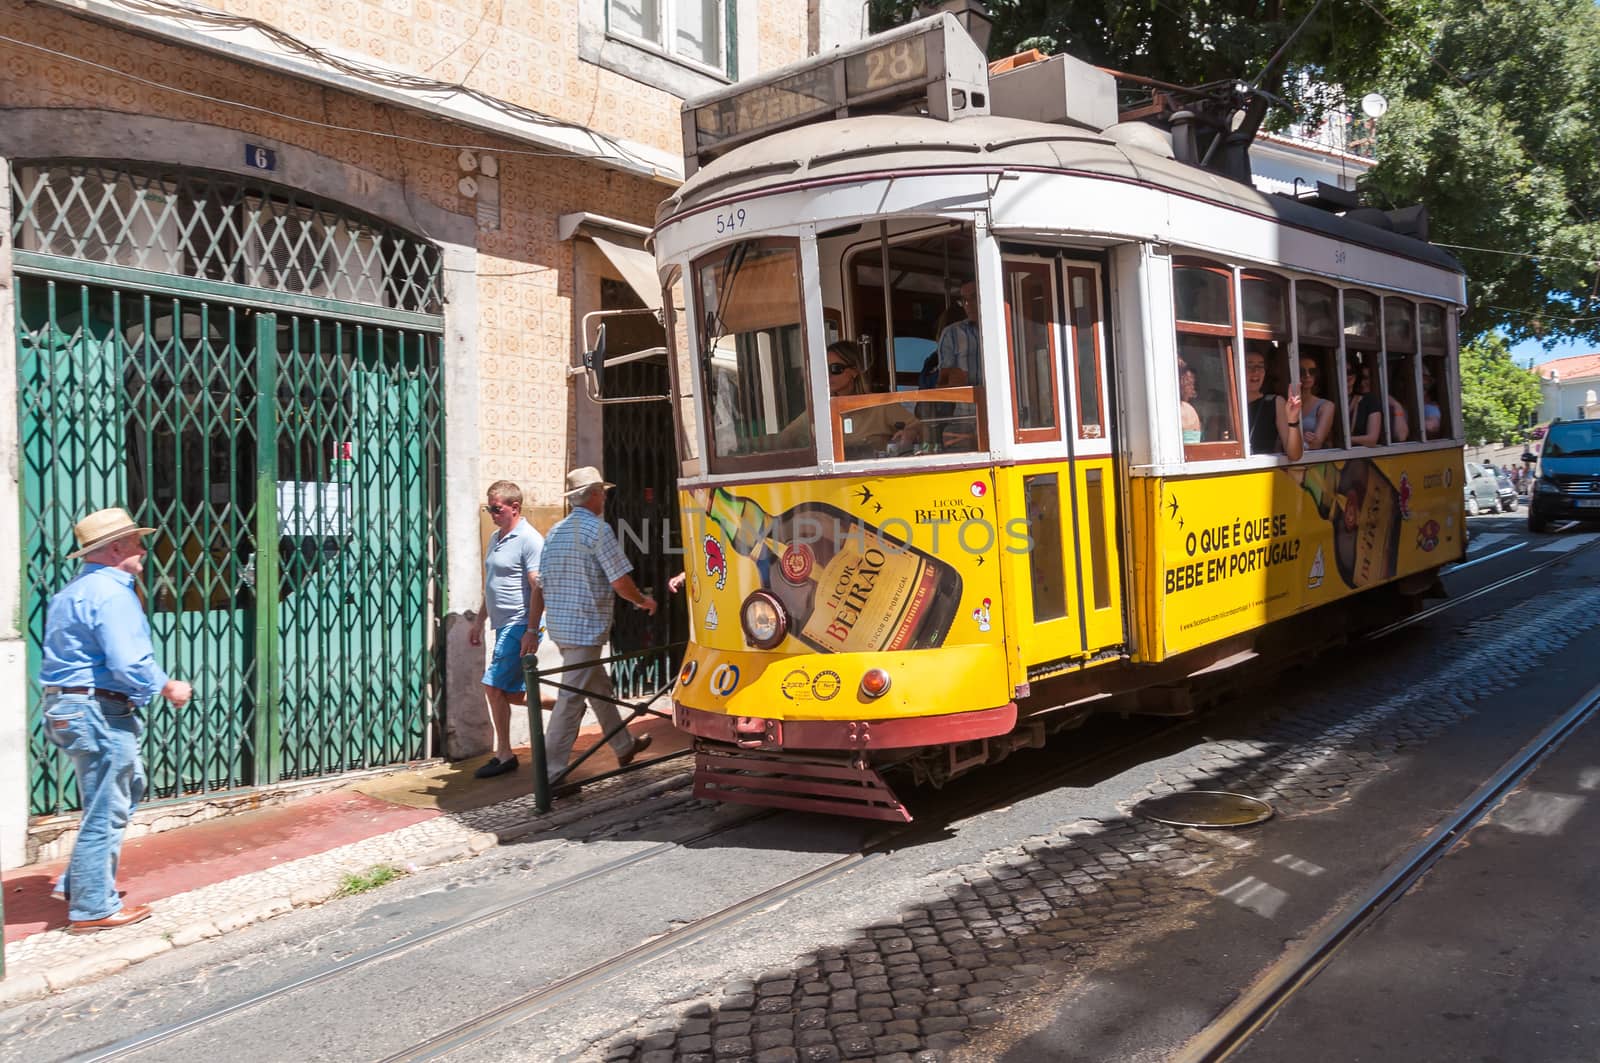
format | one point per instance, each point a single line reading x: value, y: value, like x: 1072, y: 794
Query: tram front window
x: 913, y: 306
x: 752, y: 356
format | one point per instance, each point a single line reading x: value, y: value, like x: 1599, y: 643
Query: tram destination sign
x: 929, y: 67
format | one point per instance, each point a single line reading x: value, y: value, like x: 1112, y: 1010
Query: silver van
x: 1487, y: 489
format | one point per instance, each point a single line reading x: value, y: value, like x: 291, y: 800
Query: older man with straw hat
x: 581, y: 567
x: 99, y: 666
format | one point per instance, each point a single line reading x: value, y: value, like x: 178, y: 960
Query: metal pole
x: 541, y: 780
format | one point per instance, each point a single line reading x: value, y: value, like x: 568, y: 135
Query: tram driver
x: 961, y: 365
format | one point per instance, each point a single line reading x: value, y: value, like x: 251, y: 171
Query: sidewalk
x: 224, y: 874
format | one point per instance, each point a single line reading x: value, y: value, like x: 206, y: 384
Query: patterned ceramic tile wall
x: 523, y: 52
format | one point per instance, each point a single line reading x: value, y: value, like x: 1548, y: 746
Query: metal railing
x: 534, y: 676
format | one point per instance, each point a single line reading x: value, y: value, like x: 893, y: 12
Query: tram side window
x: 1435, y: 349
x: 1207, y: 390
x: 1266, y: 366
x: 1400, y: 349
x: 1322, y: 421
x: 752, y: 356
x: 1363, y: 389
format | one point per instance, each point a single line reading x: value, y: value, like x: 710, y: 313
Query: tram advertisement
x: 876, y: 564
x: 1241, y: 550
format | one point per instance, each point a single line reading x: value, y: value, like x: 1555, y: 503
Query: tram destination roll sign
x: 881, y: 73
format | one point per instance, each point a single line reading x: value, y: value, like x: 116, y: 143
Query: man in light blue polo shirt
x: 99, y: 666
x: 581, y: 572
x: 511, y: 572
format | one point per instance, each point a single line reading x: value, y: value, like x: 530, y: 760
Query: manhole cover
x: 1204, y: 808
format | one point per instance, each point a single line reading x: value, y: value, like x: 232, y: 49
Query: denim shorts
x: 505, y: 660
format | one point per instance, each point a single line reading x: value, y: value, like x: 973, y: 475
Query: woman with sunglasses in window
x: 870, y: 432
x: 1316, y: 412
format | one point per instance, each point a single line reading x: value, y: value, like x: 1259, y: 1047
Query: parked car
x: 1538, y: 431
x: 1568, y: 487
x: 1488, y: 489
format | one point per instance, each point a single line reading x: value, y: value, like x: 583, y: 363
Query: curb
x: 30, y: 986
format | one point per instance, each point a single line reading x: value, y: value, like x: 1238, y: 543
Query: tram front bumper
x: 907, y: 732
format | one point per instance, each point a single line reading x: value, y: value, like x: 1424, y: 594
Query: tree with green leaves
x: 1492, y: 125
x: 1492, y: 118
x: 1498, y: 397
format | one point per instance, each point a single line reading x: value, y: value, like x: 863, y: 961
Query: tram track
x: 1296, y: 968
x: 534, y: 1002
x: 143, y: 1042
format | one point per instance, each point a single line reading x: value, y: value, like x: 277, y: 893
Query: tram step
x: 809, y: 783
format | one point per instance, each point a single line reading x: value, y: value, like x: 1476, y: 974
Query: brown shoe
x: 640, y: 744
x: 128, y: 916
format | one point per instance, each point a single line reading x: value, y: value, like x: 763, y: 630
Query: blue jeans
x: 102, y: 738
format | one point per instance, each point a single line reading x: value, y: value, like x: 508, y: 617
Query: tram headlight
x: 763, y: 620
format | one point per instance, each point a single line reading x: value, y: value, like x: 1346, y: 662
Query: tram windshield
x: 752, y: 355
x: 901, y: 364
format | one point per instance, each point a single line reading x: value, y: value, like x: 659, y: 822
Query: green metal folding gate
x: 172, y: 359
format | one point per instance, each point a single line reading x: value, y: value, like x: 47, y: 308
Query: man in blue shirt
x: 510, y: 573
x: 581, y: 568
x: 98, y: 667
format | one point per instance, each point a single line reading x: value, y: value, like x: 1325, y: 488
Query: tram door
x: 1057, y: 357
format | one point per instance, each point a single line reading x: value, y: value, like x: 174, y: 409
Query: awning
x: 623, y: 245
x: 637, y: 267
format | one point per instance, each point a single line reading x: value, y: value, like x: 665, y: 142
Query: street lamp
x: 972, y: 14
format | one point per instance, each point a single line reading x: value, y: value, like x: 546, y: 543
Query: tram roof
x: 874, y: 144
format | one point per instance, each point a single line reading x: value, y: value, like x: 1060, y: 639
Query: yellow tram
x: 983, y: 401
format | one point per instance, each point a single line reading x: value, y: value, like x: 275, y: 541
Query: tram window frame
x: 1401, y: 370
x: 937, y: 409
x: 1317, y: 339
x: 1030, y: 368
x: 1435, y: 362
x: 1201, y: 341
x: 1269, y: 339
x: 1363, y: 353
x: 1088, y: 375
x: 777, y: 457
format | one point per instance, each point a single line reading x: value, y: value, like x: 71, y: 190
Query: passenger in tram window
x: 1316, y: 413
x: 1193, y: 427
x: 1432, y: 413
x: 1366, y: 416
x: 960, y: 347
x: 871, y: 431
x: 1399, y: 422
x: 1274, y: 421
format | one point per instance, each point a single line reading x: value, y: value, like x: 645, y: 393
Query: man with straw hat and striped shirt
x: 99, y: 666
x: 581, y: 570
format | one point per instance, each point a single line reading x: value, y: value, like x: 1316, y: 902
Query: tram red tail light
x: 875, y: 684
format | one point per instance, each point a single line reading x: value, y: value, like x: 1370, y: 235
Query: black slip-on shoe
x: 496, y: 767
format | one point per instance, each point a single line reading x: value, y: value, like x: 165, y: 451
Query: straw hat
x: 104, y: 526
x: 584, y: 477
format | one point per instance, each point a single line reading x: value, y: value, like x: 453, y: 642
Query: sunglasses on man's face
x: 837, y: 368
x: 495, y: 510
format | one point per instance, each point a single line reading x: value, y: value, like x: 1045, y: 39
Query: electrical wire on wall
x: 196, y: 17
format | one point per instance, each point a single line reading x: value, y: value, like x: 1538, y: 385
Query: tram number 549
x: 729, y: 222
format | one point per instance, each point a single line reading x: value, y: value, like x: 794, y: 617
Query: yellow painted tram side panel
x: 1235, y: 551
x: 1039, y: 582
x: 1100, y: 555
x: 898, y: 572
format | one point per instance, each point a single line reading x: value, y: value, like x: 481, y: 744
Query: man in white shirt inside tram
x: 961, y: 365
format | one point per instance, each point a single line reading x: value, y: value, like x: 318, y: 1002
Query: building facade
x: 295, y: 285
x: 1569, y: 388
